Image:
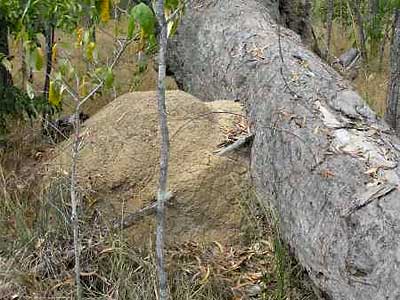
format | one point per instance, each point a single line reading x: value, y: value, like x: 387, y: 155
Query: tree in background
x: 393, y: 96
x: 330, y: 12
x: 5, y: 76
x: 355, y: 6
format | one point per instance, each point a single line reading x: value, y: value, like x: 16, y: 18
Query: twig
x: 75, y: 200
x: 236, y: 145
x: 134, y: 217
x: 114, y: 62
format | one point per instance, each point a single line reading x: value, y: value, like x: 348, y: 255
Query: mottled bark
x: 320, y: 157
x: 393, y: 97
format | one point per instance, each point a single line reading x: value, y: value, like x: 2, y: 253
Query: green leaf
x: 171, y: 4
x: 109, y: 79
x: 142, y: 14
x: 131, y: 26
x: 36, y: 59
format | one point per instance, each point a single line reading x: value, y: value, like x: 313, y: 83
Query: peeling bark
x: 320, y: 157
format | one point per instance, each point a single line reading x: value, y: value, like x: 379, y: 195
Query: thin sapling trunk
x: 75, y: 202
x: 164, y: 152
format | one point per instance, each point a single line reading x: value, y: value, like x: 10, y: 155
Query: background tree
x: 393, y: 96
x: 359, y: 21
x: 5, y: 76
x: 330, y: 11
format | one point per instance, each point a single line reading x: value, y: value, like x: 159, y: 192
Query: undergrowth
x: 36, y: 256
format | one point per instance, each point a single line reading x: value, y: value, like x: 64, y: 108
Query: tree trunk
x: 383, y: 45
x: 5, y: 76
x: 164, y: 152
x: 355, y: 7
x: 49, y: 37
x: 320, y: 157
x: 294, y: 14
x: 329, y: 30
x: 393, y: 96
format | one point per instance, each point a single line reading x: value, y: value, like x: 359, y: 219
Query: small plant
x: 15, y: 103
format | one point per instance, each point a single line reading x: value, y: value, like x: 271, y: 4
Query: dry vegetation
x: 37, y: 256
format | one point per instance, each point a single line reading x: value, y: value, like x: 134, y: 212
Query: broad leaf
x: 142, y: 15
x: 54, y: 94
x: 36, y: 58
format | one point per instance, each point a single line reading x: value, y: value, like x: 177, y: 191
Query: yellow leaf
x: 79, y: 36
x: 90, y: 51
x: 54, y: 94
x: 83, y: 91
x: 105, y: 10
x: 54, y: 54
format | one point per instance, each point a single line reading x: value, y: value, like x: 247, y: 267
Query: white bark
x: 75, y: 203
x: 164, y: 152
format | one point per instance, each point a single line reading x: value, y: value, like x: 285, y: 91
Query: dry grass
x: 37, y: 257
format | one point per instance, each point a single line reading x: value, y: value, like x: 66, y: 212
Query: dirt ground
x: 118, y: 165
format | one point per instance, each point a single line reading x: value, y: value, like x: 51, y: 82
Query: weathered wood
x: 319, y: 155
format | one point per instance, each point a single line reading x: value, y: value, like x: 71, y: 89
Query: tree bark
x: 76, y: 202
x: 164, y: 152
x: 49, y: 38
x: 320, y: 157
x: 5, y: 76
x: 393, y: 96
x: 355, y: 7
x: 329, y: 29
x: 294, y: 14
x: 383, y: 44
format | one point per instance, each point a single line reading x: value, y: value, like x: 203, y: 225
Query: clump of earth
x: 119, y: 163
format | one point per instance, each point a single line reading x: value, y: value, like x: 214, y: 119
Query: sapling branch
x: 77, y: 139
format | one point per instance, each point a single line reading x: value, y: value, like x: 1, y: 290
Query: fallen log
x: 324, y: 161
